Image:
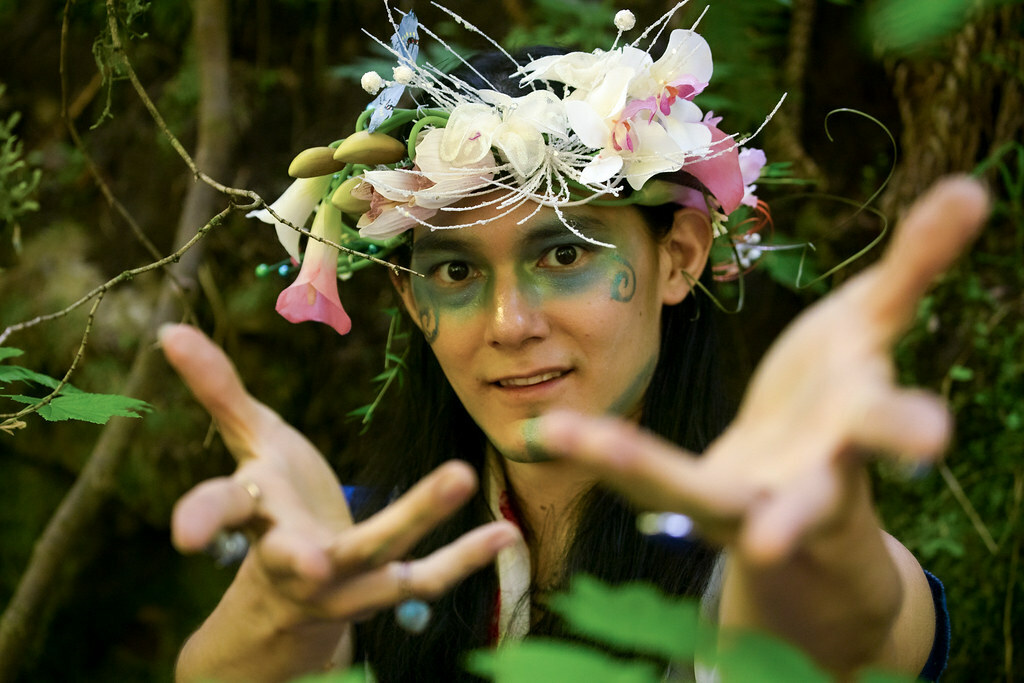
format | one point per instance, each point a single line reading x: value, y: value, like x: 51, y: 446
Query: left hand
x: 824, y: 392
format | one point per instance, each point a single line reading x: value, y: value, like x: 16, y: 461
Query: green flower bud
x: 370, y: 148
x: 314, y: 162
x: 343, y: 200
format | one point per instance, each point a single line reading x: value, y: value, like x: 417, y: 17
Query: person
x: 563, y: 379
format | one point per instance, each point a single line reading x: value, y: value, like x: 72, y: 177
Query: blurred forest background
x: 91, y: 187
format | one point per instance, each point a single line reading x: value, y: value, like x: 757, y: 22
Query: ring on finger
x: 411, y: 613
x: 254, y: 491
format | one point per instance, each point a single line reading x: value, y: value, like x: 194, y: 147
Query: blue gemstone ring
x: 412, y: 614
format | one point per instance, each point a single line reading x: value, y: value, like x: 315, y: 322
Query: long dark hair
x: 427, y: 425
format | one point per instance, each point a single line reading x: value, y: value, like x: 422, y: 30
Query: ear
x: 400, y: 281
x: 683, y: 253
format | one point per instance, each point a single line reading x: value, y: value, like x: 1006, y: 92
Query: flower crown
x: 605, y: 127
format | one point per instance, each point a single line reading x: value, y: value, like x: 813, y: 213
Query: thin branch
x: 255, y: 201
x: 104, y: 188
x: 67, y: 375
x: 965, y: 503
x: 126, y: 275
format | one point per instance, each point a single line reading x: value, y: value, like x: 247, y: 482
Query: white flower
x: 371, y: 82
x: 514, y: 125
x: 403, y: 74
x: 400, y: 199
x: 295, y: 205
x: 686, y: 60
x: 624, y: 20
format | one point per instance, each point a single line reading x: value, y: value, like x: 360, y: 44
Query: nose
x: 516, y: 315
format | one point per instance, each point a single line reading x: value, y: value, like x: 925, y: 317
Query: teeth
x: 530, y: 381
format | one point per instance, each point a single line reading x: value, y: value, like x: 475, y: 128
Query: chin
x: 518, y: 444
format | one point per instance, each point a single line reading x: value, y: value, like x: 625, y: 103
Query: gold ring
x: 254, y: 491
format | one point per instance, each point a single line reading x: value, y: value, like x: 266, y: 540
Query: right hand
x: 305, y: 548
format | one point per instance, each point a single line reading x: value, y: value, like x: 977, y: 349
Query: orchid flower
x: 401, y: 199
x: 295, y: 205
x: 514, y: 125
x: 314, y: 294
x: 752, y: 161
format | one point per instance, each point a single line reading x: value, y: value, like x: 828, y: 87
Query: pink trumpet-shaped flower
x: 314, y: 294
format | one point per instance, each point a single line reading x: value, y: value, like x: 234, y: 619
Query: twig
x: 67, y: 375
x: 965, y: 503
x: 255, y: 201
x: 89, y: 162
x: 126, y: 275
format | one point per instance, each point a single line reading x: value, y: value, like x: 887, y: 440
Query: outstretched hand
x: 824, y: 394
x: 305, y: 548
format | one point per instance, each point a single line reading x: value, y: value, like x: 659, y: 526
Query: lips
x: 530, y: 380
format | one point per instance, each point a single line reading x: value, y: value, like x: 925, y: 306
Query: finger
x: 213, y: 380
x: 392, y: 532
x: 652, y: 473
x: 209, y: 508
x: 907, y: 422
x: 427, y: 578
x: 937, y: 228
x: 295, y: 551
x: 775, y: 525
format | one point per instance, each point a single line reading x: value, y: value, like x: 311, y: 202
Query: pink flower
x: 314, y: 294
x: 751, y: 162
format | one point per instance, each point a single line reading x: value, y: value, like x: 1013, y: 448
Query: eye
x: 453, y: 271
x: 563, y: 255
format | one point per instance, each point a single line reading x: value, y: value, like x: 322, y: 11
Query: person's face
x: 524, y: 318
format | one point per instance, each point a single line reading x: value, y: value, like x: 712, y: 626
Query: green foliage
x: 967, y: 342
x: 655, y: 624
x: 637, y: 619
x: 70, y: 403
x: 109, y: 60
x: 576, y: 24
x: 18, y: 181
x: 902, y: 27
x: 547, y: 660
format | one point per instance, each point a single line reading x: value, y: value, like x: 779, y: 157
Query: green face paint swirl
x: 624, y: 281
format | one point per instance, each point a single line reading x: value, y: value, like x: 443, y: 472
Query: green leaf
x: 634, y: 616
x: 902, y: 26
x: 754, y: 656
x: 9, y: 352
x: 16, y: 373
x: 959, y: 373
x: 359, y: 412
x: 548, y: 660
x: 95, y: 408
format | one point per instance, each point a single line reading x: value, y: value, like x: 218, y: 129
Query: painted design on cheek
x: 429, y: 323
x: 632, y: 398
x: 624, y: 280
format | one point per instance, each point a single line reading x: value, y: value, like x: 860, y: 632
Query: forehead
x: 531, y: 223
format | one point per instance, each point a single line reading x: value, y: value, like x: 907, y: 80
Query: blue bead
x: 413, y: 615
x: 371, y: 249
x: 283, y: 270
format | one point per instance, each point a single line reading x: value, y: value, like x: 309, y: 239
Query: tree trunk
x: 960, y: 106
